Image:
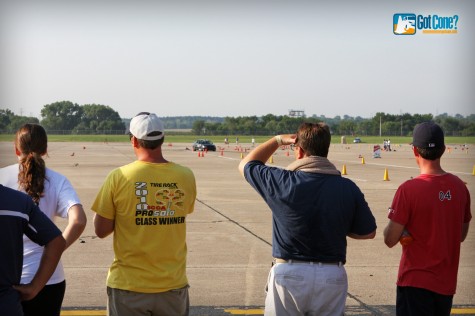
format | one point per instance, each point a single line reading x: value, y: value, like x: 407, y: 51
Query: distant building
x: 296, y: 113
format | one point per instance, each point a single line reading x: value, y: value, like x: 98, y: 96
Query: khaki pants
x: 127, y: 303
x: 306, y: 289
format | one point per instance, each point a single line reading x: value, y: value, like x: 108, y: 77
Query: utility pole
x: 380, y: 125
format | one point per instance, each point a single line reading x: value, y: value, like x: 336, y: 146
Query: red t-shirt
x: 433, y: 209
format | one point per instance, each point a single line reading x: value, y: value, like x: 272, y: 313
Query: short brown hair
x: 314, y: 138
x: 431, y: 153
x: 151, y: 144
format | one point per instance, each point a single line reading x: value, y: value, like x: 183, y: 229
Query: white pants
x: 306, y: 289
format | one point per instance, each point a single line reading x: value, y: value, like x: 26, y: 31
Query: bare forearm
x: 49, y: 260
x: 465, y: 230
x: 103, y: 227
x: 76, y: 224
x: 367, y: 236
x: 264, y: 151
x: 392, y: 233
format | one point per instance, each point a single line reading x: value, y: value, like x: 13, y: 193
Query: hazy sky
x: 235, y: 57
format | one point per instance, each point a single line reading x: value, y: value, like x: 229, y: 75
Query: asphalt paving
x: 229, y: 232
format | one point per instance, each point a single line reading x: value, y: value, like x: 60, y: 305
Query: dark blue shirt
x: 18, y: 215
x: 312, y: 212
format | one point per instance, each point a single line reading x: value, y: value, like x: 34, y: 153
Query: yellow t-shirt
x: 149, y: 203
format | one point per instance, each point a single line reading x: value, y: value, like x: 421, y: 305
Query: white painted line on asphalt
x: 399, y: 166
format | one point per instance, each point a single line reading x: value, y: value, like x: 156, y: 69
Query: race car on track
x: 203, y: 145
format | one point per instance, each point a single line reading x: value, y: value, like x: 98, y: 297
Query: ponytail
x: 32, y: 175
x: 31, y: 141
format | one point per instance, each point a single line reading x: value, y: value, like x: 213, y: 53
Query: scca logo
x: 404, y: 24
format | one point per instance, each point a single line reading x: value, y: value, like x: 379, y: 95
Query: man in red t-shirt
x: 432, y: 211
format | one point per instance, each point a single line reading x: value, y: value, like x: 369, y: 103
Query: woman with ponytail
x: 55, y: 196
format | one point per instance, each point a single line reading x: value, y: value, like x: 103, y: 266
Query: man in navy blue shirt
x: 313, y: 209
x: 19, y: 215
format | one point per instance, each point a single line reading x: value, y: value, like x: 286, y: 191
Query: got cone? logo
x: 408, y: 23
x: 404, y: 24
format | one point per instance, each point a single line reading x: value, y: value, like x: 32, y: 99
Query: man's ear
x: 135, y: 142
x: 414, y: 150
x: 300, y: 152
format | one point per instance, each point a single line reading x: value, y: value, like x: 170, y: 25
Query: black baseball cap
x: 428, y: 135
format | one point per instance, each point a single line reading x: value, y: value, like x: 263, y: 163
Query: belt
x: 278, y: 260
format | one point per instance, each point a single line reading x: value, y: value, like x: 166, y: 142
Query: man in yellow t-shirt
x: 145, y: 204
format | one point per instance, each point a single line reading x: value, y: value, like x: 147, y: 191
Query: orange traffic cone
x: 386, y: 176
x: 271, y: 159
x: 242, y: 155
x: 362, y: 161
x: 473, y: 171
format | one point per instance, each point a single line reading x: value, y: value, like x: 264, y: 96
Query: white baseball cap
x: 147, y: 126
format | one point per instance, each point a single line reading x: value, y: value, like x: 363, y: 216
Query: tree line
x: 380, y: 124
x: 71, y: 118
x: 68, y: 116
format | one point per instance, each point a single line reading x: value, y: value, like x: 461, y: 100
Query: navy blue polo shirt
x: 18, y: 215
x: 312, y: 212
